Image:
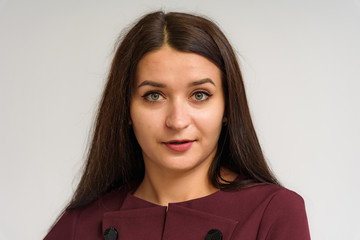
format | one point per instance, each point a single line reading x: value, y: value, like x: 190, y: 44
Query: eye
x: 152, y: 96
x: 200, y: 96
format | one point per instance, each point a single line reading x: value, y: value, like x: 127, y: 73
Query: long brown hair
x: 114, y: 158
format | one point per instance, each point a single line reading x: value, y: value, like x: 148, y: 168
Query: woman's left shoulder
x: 273, y: 199
x: 280, y: 200
x: 275, y: 192
x: 272, y: 211
x: 271, y: 192
x: 284, y: 214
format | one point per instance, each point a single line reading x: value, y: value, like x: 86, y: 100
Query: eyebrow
x: 161, y: 85
x: 151, y: 83
x: 202, y: 81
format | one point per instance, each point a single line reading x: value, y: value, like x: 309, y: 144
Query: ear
x: 130, y: 122
x: 225, y: 120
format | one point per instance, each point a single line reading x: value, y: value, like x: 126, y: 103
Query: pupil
x: 155, y: 96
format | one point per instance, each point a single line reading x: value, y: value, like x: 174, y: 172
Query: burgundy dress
x: 262, y: 212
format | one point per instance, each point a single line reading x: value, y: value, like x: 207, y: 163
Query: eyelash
x: 147, y: 96
x: 207, y: 96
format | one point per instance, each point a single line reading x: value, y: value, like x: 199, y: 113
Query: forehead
x: 166, y: 64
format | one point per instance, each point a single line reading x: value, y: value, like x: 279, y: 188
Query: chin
x: 182, y: 166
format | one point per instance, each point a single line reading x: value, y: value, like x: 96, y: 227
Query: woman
x: 174, y: 153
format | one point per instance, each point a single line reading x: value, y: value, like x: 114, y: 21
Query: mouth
x: 179, y: 141
x: 179, y: 145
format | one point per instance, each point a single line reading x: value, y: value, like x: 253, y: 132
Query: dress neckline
x: 145, y: 203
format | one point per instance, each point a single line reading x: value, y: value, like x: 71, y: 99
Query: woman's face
x: 177, y: 110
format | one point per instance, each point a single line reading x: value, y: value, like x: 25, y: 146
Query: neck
x: 162, y: 189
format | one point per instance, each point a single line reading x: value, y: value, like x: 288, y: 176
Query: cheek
x: 210, y: 122
x: 144, y: 124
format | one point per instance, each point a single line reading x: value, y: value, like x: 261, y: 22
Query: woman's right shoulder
x: 86, y: 220
x: 64, y: 228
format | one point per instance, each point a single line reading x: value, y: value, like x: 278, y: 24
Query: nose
x: 178, y: 116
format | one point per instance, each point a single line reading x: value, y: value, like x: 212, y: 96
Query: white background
x: 302, y: 71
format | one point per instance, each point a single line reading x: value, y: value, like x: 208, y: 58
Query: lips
x: 179, y: 145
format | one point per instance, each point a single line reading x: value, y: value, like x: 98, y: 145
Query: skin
x: 178, y: 96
